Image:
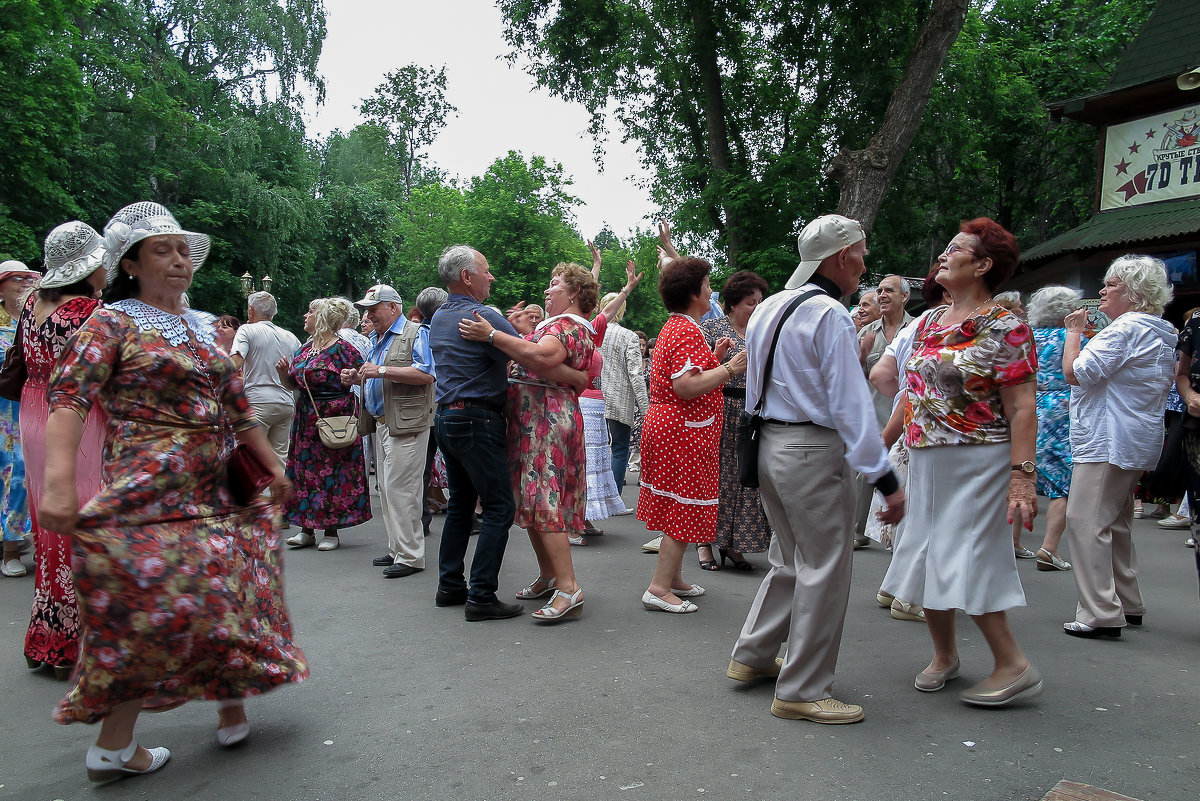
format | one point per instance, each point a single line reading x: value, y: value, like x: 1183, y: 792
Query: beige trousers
x: 276, y: 420
x: 807, y: 493
x: 1099, y: 518
x: 400, y: 469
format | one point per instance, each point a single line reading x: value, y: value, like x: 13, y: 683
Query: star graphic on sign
x: 1150, y: 133
x: 1122, y: 168
x: 1135, y: 147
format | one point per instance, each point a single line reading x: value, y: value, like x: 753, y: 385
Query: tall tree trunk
x: 714, y: 110
x: 864, y: 175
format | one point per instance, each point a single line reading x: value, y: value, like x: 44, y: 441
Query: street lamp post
x: 248, y: 283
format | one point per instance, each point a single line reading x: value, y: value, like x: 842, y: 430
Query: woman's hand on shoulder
x: 477, y: 330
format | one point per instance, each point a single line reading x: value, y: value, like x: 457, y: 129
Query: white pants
x: 399, y: 469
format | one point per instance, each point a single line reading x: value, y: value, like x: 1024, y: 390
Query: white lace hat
x: 142, y: 220
x: 73, y: 252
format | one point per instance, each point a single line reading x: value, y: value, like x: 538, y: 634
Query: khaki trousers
x: 1099, y: 518
x: 399, y: 468
x: 807, y: 493
x: 276, y: 419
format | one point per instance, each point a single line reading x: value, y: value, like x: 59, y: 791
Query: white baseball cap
x: 820, y: 239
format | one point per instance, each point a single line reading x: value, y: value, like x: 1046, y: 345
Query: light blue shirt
x: 422, y: 359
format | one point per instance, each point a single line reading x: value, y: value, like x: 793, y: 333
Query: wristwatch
x: 492, y: 337
x: 1026, y: 466
x: 382, y: 371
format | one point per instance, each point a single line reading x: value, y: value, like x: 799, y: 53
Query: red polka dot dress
x: 680, y: 439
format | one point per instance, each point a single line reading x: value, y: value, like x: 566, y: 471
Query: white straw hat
x: 73, y: 252
x: 13, y: 267
x: 142, y: 220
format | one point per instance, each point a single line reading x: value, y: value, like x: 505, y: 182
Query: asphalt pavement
x: 409, y: 701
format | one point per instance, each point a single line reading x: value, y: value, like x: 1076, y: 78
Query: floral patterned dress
x: 330, y: 483
x: 680, y: 467
x: 14, y: 504
x: 741, y: 522
x: 53, y: 634
x: 180, y: 591
x: 546, y: 449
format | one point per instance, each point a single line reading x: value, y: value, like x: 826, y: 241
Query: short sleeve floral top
x: 956, y: 373
x: 575, y: 337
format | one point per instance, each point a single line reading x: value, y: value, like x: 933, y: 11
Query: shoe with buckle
x: 653, y: 602
x: 827, y: 710
x: 1077, y: 629
x: 903, y: 610
x: 529, y: 593
x: 552, y: 614
x: 302, y: 540
x: 1027, y: 686
x: 928, y: 682
x: 106, y: 766
x: 740, y: 671
x: 1048, y: 560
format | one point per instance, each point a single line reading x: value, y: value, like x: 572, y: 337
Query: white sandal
x: 105, y: 766
x: 549, y: 614
x: 527, y: 593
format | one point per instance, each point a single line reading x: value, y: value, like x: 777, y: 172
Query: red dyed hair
x: 997, y: 244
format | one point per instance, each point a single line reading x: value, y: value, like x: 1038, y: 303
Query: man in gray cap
x: 398, y: 394
x: 819, y: 426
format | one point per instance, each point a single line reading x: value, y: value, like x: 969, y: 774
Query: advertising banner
x: 1152, y: 159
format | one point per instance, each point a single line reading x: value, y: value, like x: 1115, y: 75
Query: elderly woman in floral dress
x: 180, y: 589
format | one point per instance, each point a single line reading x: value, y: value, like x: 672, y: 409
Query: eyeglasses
x: 953, y: 248
x: 23, y: 279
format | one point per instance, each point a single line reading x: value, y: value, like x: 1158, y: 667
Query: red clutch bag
x: 248, y: 475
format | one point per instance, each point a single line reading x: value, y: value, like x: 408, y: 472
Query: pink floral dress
x: 546, y: 437
x: 180, y: 591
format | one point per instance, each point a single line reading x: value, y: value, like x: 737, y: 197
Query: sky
x: 499, y: 109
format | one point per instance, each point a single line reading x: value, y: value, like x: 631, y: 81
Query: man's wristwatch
x: 382, y: 371
x: 1027, y: 467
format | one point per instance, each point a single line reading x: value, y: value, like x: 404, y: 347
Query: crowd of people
x: 159, y: 453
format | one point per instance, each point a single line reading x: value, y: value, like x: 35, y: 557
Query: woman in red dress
x: 64, y: 300
x: 682, y: 430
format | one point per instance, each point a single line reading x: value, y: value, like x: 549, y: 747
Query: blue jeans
x: 619, y: 433
x: 472, y: 443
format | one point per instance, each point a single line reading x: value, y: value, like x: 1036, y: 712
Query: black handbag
x: 13, y: 373
x: 750, y: 425
x: 1169, y: 478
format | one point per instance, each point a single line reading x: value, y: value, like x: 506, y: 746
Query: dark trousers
x: 472, y: 443
x: 619, y: 433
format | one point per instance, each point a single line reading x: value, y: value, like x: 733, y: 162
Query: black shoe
x: 426, y: 529
x: 444, y: 598
x: 477, y: 525
x: 383, y: 561
x: 400, y: 571
x: 1133, y: 620
x: 493, y: 611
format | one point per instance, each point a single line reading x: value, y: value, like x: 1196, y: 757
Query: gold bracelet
x: 729, y: 370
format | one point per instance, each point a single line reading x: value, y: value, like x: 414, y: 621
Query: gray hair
x: 1049, y: 305
x: 430, y: 299
x: 453, y: 261
x: 905, y: 289
x: 868, y: 294
x: 263, y: 304
x: 1146, y: 282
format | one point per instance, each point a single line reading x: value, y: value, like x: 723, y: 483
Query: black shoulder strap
x: 775, y: 341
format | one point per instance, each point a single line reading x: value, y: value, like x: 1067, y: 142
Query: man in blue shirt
x: 471, y: 389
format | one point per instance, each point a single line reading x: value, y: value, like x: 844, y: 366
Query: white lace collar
x: 173, y: 327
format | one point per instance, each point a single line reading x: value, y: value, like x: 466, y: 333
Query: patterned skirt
x: 741, y: 522
x: 331, y: 483
x: 548, y: 459
x: 603, y: 500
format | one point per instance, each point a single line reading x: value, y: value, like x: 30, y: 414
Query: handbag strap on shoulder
x: 775, y: 341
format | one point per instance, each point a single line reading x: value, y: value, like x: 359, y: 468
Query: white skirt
x: 603, y: 500
x: 957, y: 548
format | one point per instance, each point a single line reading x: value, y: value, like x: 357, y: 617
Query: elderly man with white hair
x: 257, y: 348
x: 892, y: 296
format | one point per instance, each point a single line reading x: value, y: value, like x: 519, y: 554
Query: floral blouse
x: 574, y: 333
x: 956, y: 373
